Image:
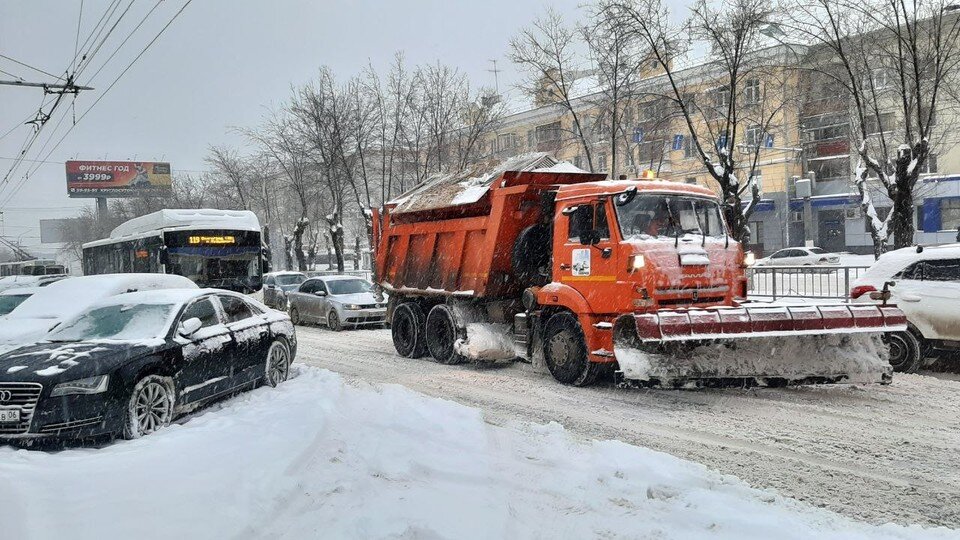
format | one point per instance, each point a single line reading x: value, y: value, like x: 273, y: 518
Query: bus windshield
x: 658, y: 215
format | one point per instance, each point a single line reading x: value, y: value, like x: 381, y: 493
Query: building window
x: 691, y: 180
x: 828, y: 170
x: 751, y: 92
x: 548, y: 133
x: 756, y: 232
x: 753, y: 136
x: 881, y: 213
x: 721, y: 97
x: 578, y: 161
x: 796, y: 216
x: 650, y: 152
x: 688, y: 149
x: 875, y: 126
x: 506, y: 142
x: 949, y: 214
x: 602, y: 162
x: 531, y: 138
x: 919, y: 213
x: 757, y: 178
x: 929, y: 166
x: 881, y: 79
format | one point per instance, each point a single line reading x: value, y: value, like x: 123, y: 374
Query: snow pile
x: 562, y: 167
x: 317, y: 458
x: 487, y: 341
x: 862, y: 357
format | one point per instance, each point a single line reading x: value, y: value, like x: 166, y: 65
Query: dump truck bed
x: 455, y: 234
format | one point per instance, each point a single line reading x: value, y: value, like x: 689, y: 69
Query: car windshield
x: 290, y: 279
x: 656, y: 215
x: 122, y: 322
x: 9, y: 302
x: 349, y: 286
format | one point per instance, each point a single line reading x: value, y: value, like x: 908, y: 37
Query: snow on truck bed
x: 443, y: 190
x: 319, y: 458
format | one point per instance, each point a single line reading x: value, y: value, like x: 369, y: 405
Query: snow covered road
x: 876, y: 453
x: 317, y: 458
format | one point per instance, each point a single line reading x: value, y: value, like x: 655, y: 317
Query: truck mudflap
x: 757, y: 345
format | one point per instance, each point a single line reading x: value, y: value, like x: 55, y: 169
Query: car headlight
x: 90, y: 385
x: 749, y: 259
x: 351, y: 306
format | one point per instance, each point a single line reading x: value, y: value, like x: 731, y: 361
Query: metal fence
x: 365, y: 274
x: 802, y: 281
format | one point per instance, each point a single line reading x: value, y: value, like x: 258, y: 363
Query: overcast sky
x: 221, y: 64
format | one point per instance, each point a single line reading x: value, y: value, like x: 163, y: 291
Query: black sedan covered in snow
x: 130, y: 365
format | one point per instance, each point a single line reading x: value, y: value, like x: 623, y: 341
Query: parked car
x: 132, y: 363
x: 800, y: 256
x: 10, y: 299
x: 276, y: 285
x: 338, y: 302
x: 15, y: 282
x: 42, y: 312
x: 925, y: 284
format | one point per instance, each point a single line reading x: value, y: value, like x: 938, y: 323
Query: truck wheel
x: 442, y: 334
x: 407, y: 330
x: 905, y: 355
x: 565, y: 351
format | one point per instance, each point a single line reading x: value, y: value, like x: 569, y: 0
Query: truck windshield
x: 658, y: 215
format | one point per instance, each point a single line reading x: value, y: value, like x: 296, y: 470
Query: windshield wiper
x: 674, y: 222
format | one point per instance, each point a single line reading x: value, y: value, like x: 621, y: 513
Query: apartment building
x: 795, y: 124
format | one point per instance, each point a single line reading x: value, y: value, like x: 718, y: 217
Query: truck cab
x: 638, y: 246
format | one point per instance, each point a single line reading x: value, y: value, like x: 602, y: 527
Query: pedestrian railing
x: 817, y: 282
x: 365, y: 274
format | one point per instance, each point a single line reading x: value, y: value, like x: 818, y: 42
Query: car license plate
x: 9, y: 415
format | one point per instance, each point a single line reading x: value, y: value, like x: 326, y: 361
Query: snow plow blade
x: 757, y: 345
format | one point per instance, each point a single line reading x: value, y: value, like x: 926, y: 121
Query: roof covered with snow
x: 893, y: 262
x: 175, y: 219
x: 443, y: 190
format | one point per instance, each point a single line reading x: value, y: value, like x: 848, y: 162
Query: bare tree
x: 547, y: 52
x: 283, y: 143
x: 617, y: 57
x: 897, y: 64
x: 234, y: 171
x: 717, y: 119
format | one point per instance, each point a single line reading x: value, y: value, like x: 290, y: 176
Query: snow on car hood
x: 49, y: 362
x: 355, y: 298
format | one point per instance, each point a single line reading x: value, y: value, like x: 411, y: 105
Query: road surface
x: 874, y: 453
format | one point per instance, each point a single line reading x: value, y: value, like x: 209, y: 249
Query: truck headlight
x: 635, y: 262
x: 90, y: 385
x: 749, y: 259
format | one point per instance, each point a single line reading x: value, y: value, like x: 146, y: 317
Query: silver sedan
x: 338, y: 302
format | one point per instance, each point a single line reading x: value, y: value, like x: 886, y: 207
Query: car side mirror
x: 190, y: 326
x: 320, y: 293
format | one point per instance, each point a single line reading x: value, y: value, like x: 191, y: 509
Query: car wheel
x: 295, y: 316
x: 333, y: 321
x: 407, y: 330
x: 150, y: 406
x: 565, y: 351
x: 905, y: 353
x: 278, y: 363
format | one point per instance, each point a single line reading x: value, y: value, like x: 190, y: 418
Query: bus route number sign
x: 212, y: 240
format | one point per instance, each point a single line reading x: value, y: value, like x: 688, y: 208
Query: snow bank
x: 317, y: 458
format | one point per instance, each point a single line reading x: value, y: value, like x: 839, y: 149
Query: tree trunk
x: 298, y: 231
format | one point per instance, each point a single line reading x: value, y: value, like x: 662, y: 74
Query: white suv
x: 925, y: 284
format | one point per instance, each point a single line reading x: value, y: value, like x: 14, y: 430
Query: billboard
x: 117, y: 178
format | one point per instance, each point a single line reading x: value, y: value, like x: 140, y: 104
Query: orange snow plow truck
x: 636, y: 277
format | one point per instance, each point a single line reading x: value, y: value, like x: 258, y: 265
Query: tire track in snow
x: 873, y: 453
